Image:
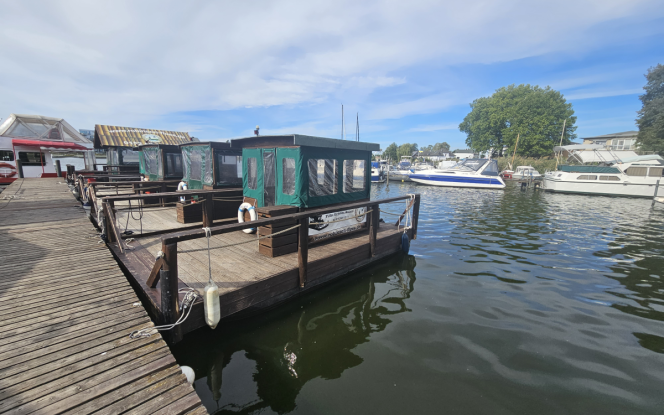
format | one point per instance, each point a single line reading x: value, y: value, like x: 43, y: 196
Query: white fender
x: 182, y: 186
x: 252, y: 214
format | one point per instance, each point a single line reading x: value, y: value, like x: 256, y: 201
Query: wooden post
x: 170, y: 308
x: 58, y: 168
x: 19, y: 168
x: 373, y: 227
x: 207, y: 212
x: 654, y: 197
x: 163, y: 190
x: 416, y: 214
x: 303, y: 249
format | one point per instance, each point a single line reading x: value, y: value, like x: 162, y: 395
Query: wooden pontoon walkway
x: 65, y: 345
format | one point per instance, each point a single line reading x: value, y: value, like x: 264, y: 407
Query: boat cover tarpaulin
x: 114, y: 136
x: 589, y: 169
x: 48, y: 145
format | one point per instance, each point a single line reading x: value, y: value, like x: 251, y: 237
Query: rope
x: 221, y: 199
x: 240, y: 243
x: 208, y: 235
x: 269, y: 236
x: 187, y: 304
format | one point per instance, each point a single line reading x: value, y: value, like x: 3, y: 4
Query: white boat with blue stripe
x: 477, y: 173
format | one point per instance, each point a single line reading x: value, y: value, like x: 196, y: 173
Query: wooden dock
x: 67, y: 311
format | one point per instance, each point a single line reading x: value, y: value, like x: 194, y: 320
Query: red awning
x: 48, y: 144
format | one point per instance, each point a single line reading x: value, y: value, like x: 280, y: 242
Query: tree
x: 651, y: 115
x: 406, y: 149
x: 535, y: 114
x: 391, y: 152
x: 444, y: 147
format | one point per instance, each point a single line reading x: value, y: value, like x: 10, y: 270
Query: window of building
x: 637, y: 171
x: 610, y: 178
x: 6, y: 155
x: 655, y: 172
x: 130, y: 156
x: 586, y: 177
x: 288, y: 176
x: 322, y: 177
x: 252, y: 173
x: 32, y: 159
x: 354, y: 176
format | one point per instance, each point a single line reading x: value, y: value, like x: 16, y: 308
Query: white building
x: 616, y: 141
x: 465, y: 154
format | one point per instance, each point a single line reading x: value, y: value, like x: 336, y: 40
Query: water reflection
x: 313, y: 337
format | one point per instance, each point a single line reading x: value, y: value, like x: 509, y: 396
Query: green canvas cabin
x: 211, y: 165
x: 160, y: 162
x: 304, y: 171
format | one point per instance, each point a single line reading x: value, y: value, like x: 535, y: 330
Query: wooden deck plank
x: 67, y: 313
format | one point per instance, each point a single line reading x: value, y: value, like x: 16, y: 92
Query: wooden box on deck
x: 281, y: 244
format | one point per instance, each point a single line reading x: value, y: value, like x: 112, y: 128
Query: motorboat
x: 378, y: 174
x: 605, y: 172
x: 476, y: 173
x: 401, y: 172
x: 521, y: 173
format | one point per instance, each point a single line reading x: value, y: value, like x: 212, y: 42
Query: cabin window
x: 586, y: 177
x: 195, y: 161
x: 655, y: 172
x: 32, y: 159
x: 322, y: 177
x: 288, y: 176
x: 229, y: 169
x: 637, y: 171
x: 354, y: 176
x: 252, y: 173
x: 130, y: 157
x: 610, y: 178
x: 269, y: 179
x: 174, y: 164
x: 6, y: 155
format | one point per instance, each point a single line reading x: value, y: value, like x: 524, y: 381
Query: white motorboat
x: 477, y: 173
x: 521, y: 173
x: 605, y: 172
x: 378, y: 174
x: 401, y: 172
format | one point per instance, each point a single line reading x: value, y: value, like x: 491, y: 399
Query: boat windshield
x: 471, y: 164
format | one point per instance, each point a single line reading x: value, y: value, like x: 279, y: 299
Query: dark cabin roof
x: 302, y: 140
x: 213, y: 144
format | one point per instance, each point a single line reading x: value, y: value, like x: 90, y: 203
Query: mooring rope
x: 187, y: 304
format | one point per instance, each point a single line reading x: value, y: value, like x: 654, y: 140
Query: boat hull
x: 478, y: 182
x: 599, y: 188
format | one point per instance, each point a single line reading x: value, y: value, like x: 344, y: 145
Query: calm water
x: 510, y: 302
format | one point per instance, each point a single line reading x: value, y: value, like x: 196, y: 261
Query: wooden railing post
x: 303, y: 249
x: 58, y: 169
x: 208, y: 214
x: 373, y: 227
x: 19, y: 168
x: 170, y: 307
x: 416, y: 214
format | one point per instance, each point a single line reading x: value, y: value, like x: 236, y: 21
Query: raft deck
x: 65, y: 345
x: 249, y: 281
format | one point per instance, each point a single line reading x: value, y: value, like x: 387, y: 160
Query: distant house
x: 465, y: 154
x: 616, y: 141
x: 433, y: 155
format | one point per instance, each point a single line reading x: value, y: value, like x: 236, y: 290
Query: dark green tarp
x: 589, y: 169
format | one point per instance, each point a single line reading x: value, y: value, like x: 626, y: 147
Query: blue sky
x: 217, y: 69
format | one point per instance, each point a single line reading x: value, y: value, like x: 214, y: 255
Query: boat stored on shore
x: 614, y: 174
x: 477, y: 173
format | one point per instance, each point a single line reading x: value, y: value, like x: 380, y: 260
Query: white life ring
x: 182, y: 186
x: 252, y: 214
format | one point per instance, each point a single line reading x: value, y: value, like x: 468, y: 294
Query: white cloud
x: 601, y: 93
x: 128, y: 62
x: 435, y: 127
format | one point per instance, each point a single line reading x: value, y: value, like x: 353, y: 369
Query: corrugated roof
x: 307, y: 140
x: 114, y: 136
x: 625, y: 134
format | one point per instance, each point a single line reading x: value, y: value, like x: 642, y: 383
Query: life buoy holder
x: 7, y: 170
x: 252, y: 213
x: 182, y: 186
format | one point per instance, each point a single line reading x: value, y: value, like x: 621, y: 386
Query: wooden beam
x: 237, y: 191
x: 169, y: 290
x: 208, y: 212
x: 278, y: 220
x: 303, y: 249
x: 373, y: 227
x: 416, y: 214
x: 155, y: 275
